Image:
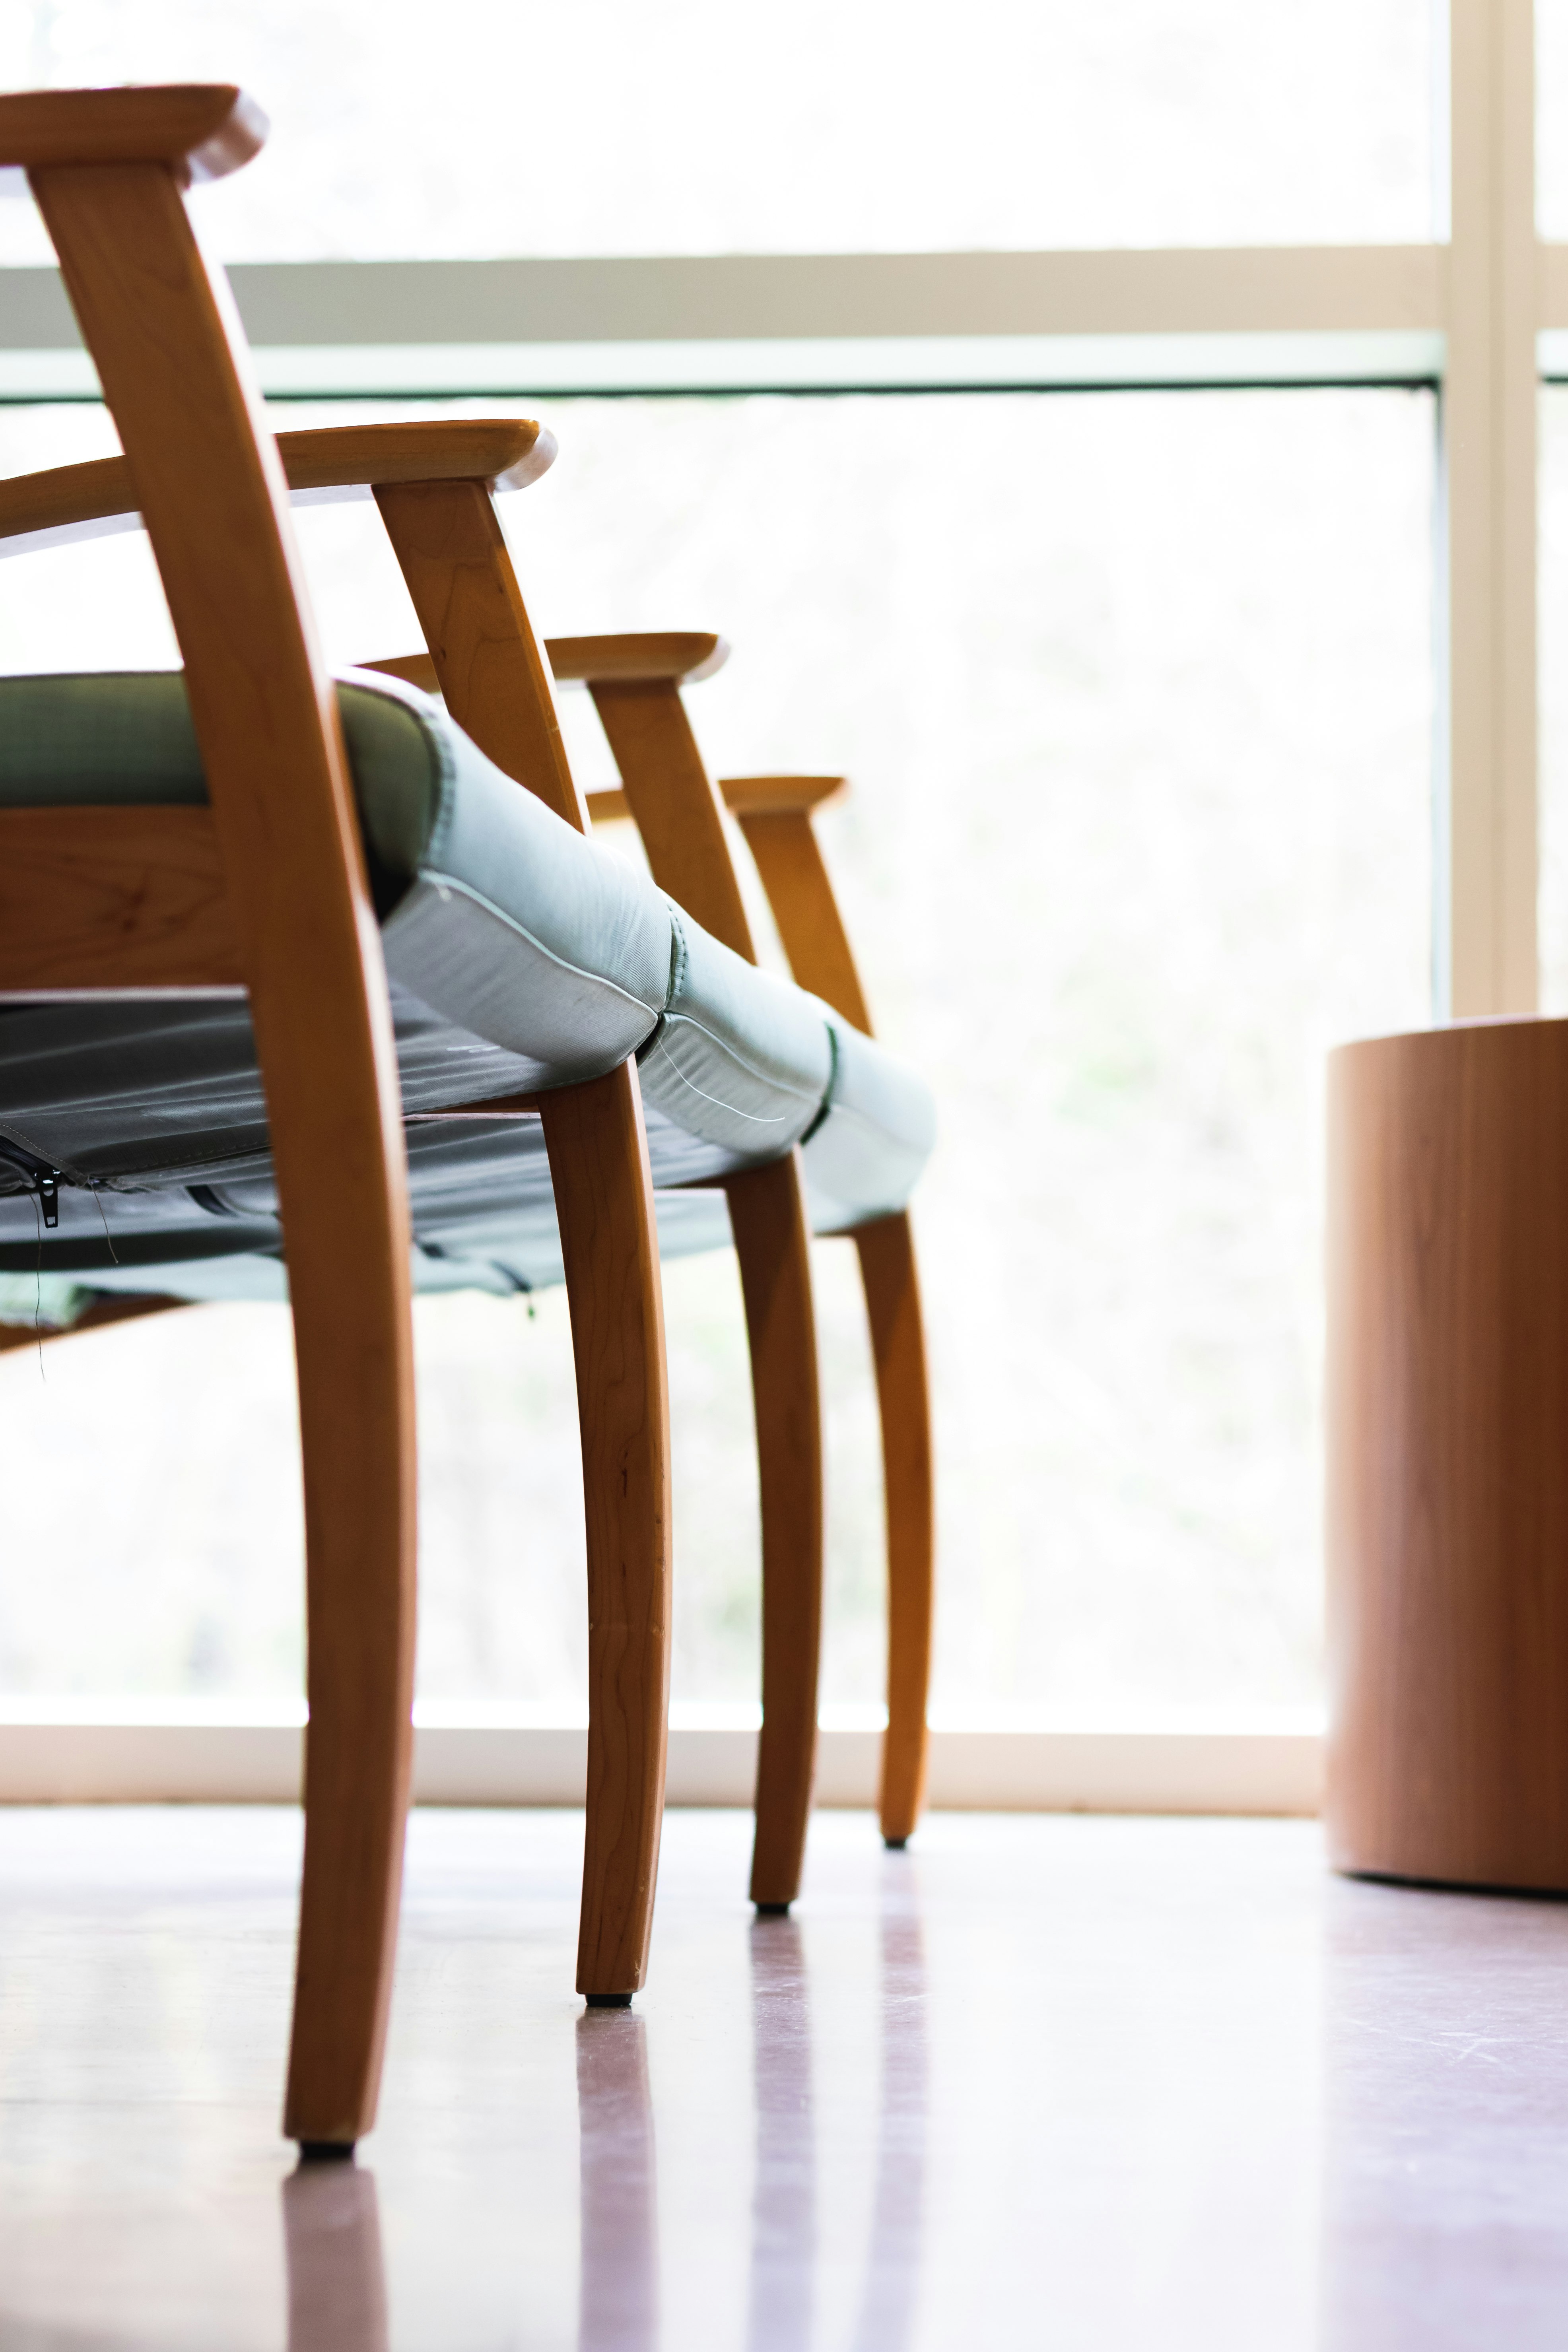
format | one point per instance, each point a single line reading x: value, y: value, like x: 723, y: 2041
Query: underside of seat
x: 521, y: 958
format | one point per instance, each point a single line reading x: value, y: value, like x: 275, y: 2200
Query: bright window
x: 701, y: 127
x: 1135, y: 690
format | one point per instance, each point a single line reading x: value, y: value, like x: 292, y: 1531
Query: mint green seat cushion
x: 519, y: 958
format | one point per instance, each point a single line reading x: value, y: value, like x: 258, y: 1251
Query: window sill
x: 167, y: 1751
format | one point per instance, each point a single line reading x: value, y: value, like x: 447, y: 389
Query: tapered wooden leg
x: 354, y: 1349
x: 604, y: 1200
x: 767, y: 1215
x: 898, y: 1340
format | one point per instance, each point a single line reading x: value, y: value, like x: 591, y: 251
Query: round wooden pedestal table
x: 1447, y: 1442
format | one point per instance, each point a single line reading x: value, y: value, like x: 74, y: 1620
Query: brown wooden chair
x: 636, y: 682
x: 154, y: 899
x: 775, y: 813
x: 434, y: 483
x: 264, y: 891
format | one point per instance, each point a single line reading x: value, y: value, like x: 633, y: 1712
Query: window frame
x: 1480, y: 313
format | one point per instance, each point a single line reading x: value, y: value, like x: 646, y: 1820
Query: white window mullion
x: 1486, y: 913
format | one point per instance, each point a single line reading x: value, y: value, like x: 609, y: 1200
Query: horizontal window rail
x: 1264, y: 314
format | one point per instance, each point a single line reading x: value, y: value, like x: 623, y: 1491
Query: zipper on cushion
x: 42, y: 1179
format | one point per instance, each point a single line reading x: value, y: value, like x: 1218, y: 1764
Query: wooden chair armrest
x: 414, y: 669
x: 780, y: 795
x: 335, y: 461
x: 775, y: 814
x: 505, y: 453
x: 203, y: 129
x: 685, y: 655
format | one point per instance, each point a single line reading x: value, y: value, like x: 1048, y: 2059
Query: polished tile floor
x: 1047, y: 2082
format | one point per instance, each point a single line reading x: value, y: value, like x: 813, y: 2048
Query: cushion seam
x: 805, y: 1094
x: 445, y: 882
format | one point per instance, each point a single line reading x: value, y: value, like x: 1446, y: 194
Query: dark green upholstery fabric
x: 519, y: 958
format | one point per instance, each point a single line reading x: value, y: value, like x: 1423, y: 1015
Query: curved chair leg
x: 211, y: 493
x: 898, y: 1339
x: 604, y: 1200
x: 356, y: 1418
x: 773, y: 1243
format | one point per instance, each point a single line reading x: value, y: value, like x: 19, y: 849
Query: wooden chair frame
x: 433, y: 482
x: 775, y: 813
x: 265, y: 890
x: 637, y: 683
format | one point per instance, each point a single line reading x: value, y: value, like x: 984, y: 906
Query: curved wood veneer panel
x: 1447, y: 1430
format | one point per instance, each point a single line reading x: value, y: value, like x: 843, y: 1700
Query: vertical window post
x: 1485, y: 912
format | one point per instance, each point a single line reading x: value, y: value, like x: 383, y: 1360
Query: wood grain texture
x: 670, y: 654
x: 609, y: 805
x: 200, y: 129
x: 891, y: 1283
x: 604, y: 1200
x: 504, y: 452
x: 116, y: 1307
x: 677, y: 810
x: 488, y: 663
x: 58, y: 501
x: 772, y: 1243
x: 780, y: 795
x: 211, y: 490
x: 114, y: 899
x: 414, y: 669
x: 805, y: 909
x: 1447, y: 1455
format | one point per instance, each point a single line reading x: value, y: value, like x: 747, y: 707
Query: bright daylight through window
x: 1136, y: 690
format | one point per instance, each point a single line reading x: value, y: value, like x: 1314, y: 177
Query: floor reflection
x: 619, y: 2305
x: 784, y: 2203
x: 784, y: 2200
x: 892, y: 2267
x: 332, y: 2237
x: 618, y: 2309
